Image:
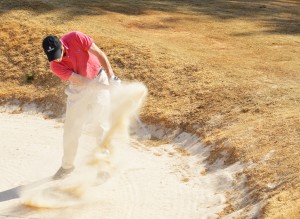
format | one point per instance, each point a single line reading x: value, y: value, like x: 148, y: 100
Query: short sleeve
x: 84, y: 40
x: 60, y: 70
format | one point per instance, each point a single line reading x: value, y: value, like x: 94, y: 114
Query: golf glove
x: 114, y: 81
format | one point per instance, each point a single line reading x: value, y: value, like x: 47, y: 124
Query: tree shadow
x: 70, y: 8
x: 281, y: 17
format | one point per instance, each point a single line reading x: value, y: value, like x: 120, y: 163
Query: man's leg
x: 102, y: 109
x: 75, y: 116
x: 102, y: 115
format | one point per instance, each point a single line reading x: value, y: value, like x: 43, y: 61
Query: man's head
x: 52, y: 48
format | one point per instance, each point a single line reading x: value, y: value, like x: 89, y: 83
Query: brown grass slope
x: 226, y: 70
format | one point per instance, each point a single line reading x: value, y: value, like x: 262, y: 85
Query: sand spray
x: 102, y: 161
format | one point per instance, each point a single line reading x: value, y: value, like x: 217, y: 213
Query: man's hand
x: 95, y: 83
x: 114, y: 81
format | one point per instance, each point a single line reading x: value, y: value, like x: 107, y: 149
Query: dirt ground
x: 225, y: 70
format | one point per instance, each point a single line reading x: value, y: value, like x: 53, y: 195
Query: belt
x: 101, y: 69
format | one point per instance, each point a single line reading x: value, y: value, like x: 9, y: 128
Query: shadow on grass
x: 277, y: 16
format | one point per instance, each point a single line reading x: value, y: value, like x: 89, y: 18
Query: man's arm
x: 94, y: 49
x: 78, y: 79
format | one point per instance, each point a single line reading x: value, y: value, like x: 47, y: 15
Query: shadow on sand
x: 14, y: 193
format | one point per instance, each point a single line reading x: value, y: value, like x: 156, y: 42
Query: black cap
x: 52, y: 47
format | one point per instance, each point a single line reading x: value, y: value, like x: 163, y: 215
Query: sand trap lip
x: 152, y: 182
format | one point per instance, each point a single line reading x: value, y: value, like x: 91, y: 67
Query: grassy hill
x: 225, y: 70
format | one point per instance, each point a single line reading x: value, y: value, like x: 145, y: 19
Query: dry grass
x: 226, y: 70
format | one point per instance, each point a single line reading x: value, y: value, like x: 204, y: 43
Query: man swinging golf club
x: 76, y: 58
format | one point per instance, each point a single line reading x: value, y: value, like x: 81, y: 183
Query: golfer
x: 77, y: 59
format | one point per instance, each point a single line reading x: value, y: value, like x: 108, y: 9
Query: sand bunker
x: 135, y: 181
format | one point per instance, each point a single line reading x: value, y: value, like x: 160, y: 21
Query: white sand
x: 146, y: 182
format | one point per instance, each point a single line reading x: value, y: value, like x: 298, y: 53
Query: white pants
x: 84, y: 102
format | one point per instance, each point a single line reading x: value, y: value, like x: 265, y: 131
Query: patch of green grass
x: 30, y: 77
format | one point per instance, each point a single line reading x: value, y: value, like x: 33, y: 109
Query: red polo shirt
x: 77, y: 58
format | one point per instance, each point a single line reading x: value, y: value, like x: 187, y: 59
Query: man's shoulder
x: 69, y: 35
x: 72, y: 34
x: 77, y: 39
x: 70, y: 39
